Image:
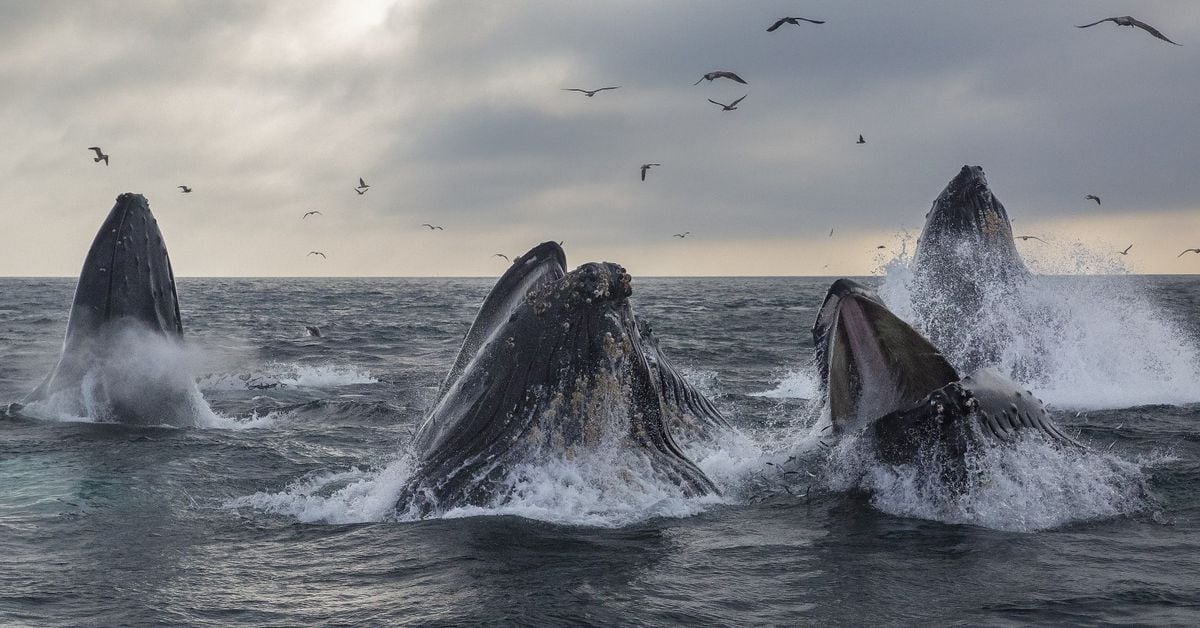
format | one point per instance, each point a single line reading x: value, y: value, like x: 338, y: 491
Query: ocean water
x: 279, y: 510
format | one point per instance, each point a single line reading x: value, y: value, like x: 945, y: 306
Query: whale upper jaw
x: 562, y: 376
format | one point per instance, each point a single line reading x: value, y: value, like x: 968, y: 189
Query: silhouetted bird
x: 589, y: 92
x: 721, y: 74
x: 307, y: 214
x: 1093, y: 197
x: 185, y: 189
x: 1188, y: 251
x: 501, y: 255
x: 432, y: 227
x: 1024, y: 238
x: 731, y: 106
x: 100, y: 156
x: 1126, y: 251
x: 860, y: 139
x: 795, y: 21
x: 683, y: 235
x: 1126, y: 20
x: 831, y: 232
x: 881, y: 247
x: 317, y: 253
x: 646, y: 167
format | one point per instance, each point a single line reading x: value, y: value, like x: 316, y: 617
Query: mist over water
x: 296, y: 481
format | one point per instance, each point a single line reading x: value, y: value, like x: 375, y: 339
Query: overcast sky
x: 454, y: 113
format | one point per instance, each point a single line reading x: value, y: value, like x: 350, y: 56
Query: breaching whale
x: 966, y: 261
x: 123, y: 327
x: 882, y: 377
x: 553, y: 368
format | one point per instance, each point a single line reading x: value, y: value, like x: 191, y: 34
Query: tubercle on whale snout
x: 592, y: 283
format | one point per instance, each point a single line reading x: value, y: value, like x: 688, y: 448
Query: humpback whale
x: 966, y: 260
x: 554, y: 367
x: 124, y: 322
x: 881, y: 377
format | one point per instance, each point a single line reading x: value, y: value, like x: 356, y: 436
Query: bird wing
x: 1107, y: 19
x: 732, y: 76
x: 701, y: 79
x: 734, y: 103
x: 776, y: 25
x: 362, y: 184
x: 1127, y: 248
x: 1188, y: 251
x: 97, y: 149
x: 574, y: 89
x: 613, y: 87
x: 1150, y: 29
x: 717, y: 103
x: 439, y: 228
x: 811, y: 21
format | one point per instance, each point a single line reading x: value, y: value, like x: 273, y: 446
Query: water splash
x: 1023, y: 487
x: 1084, y: 342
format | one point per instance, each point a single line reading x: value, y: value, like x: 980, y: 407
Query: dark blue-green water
x: 280, y: 511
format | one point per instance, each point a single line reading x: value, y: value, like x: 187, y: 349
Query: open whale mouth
x: 871, y: 363
x: 881, y: 376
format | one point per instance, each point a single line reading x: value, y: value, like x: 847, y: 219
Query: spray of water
x: 1080, y: 341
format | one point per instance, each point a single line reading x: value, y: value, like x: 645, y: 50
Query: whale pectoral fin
x: 1005, y: 411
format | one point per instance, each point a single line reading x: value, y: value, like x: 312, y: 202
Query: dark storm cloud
x: 454, y: 111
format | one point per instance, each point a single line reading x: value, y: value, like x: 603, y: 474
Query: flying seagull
x: 860, y: 139
x: 100, y: 156
x: 731, y: 106
x: 1027, y: 238
x: 831, y: 232
x: 682, y: 235
x: 1126, y: 20
x: 432, y: 227
x: 502, y: 255
x: 721, y: 74
x: 317, y: 253
x: 185, y: 189
x: 589, y: 92
x: 1093, y: 197
x: 360, y: 191
x: 1126, y: 251
x: 307, y: 214
x: 795, y: 21
x: 1188, y: 251
x: 646, y: 167
x: 362, y: 184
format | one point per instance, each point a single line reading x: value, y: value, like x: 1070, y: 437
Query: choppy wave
x: 796, y: 384
x: 288, y: 374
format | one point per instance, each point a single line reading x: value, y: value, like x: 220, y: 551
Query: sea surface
x: 280, y: 510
